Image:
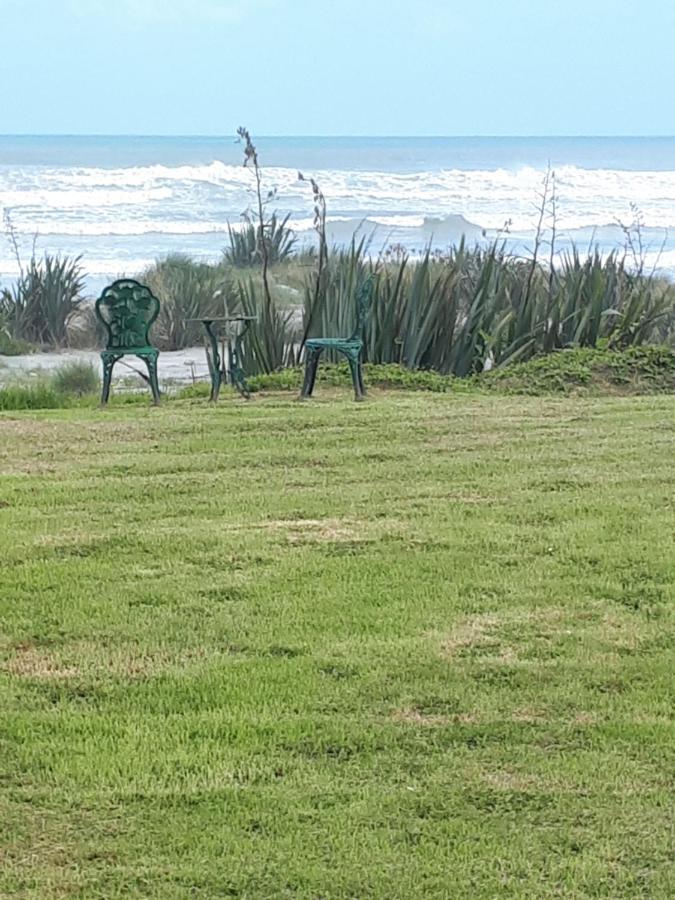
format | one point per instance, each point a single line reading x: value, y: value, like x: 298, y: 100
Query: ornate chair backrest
x: 127, y: 310
x: 364, y: 296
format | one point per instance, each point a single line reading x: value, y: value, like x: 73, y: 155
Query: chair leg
x: 108, y: 364
x: 357, y: 378
x: 151, y: 363
x: 359, y: 371
x: 216, y: 379
x: 311, y: 365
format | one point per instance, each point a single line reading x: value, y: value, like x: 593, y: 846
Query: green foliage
x: 200, y: 390
x: 470, y: 309
x: 332, y: 375
x: 186, y: 290
x: 478, y: 307
x: 269, y: 341
x: 41, y: 395
x: 245, y: 243
x: 636, y: 370
x: 388, y: 375
x: 289, y: 379
x: 72, y: 382
x: 392, y: 376
x: 77, y: 378
x: 592, y: 298
x: 10, y: 346
x: 39, y: 306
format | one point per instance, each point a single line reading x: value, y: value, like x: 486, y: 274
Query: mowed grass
x: 416, y: 647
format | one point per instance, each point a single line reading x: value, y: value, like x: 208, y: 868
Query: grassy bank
x: 638, y: 370
x: 414, y: 647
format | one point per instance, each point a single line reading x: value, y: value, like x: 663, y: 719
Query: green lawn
x: 417, y: 647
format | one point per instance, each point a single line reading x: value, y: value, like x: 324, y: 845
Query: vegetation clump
x: 636, y: 370
x: 39, y: 395
x: 245, y: 248
x: 38, y: 307
x: 76, y: 378
x: 187, y: 291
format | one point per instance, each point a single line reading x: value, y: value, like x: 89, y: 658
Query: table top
x: 224, y: 319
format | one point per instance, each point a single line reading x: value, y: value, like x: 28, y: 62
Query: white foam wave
x: 214, y: 173
x: 70, y: 199
x: 398, y: 221
x: 179, y: 199
x: 132, y: 227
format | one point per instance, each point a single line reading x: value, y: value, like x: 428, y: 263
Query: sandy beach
x: 175, y: 367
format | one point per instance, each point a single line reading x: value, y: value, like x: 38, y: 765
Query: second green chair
x: 351, y: 347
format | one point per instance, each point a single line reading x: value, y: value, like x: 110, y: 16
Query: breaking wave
x: 119, y: 216
x: 587, y: 198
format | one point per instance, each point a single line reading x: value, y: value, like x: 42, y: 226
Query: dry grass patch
x: 37, y: 662
x: 522, y: 636
x: 471, y: 632
x: 508, y: 780
x: 529, y: 716
x: 304, y: 531
x: 415, y: 716
x: 586, y: 718
x: 86, y: 659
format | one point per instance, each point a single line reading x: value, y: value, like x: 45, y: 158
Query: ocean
x: 120, y: 202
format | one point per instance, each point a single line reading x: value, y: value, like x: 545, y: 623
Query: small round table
x: 231, y: 346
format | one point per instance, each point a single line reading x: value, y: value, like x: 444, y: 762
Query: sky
x: 337, y: 67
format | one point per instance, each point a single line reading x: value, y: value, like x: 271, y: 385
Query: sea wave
x: 486, y: 197
x: 132, y: 227
x: 424, y: 227
x: 58, y: 199
x: 137, y: 227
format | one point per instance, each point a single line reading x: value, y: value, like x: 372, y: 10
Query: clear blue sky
x: 351, y: 67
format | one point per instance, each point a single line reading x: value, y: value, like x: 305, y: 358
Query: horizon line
x: 67, y: 134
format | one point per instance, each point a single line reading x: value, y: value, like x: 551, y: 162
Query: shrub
x: 200, y: 390
x: 637, y: 370
x: 76, y: 378
x: 39, y: 306
x: 476, y: 307
x: 10, y: 346
x: 269, y: 343
x: 245, y: 250
x: 186, y: 290
x: 389, y: 376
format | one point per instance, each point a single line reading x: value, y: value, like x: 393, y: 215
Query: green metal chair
x: 127, y: 309
x: 350, y: 347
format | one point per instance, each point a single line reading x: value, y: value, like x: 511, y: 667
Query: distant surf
x: 122, y: 202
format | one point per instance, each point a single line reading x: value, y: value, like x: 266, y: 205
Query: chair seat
x: 334, y: 343
x: 130, y: 351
